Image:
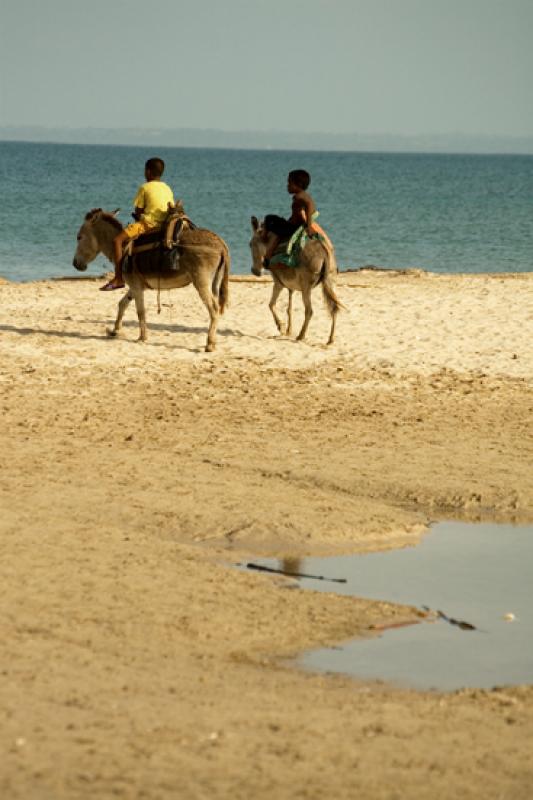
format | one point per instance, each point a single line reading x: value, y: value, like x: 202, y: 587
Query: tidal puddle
x: 479, y: 573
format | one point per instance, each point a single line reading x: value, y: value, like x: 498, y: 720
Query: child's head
x: 298, y: 180
x: 154, y: 168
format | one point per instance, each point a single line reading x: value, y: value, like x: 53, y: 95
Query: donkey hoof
x: 209, y: 348
x: 112, y: 333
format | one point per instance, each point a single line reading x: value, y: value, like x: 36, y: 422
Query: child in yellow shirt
x: 151, y: 207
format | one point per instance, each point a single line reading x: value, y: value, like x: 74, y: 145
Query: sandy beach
x: 137, y: 661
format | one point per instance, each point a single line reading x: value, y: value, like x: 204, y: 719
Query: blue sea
x: 442, y: 213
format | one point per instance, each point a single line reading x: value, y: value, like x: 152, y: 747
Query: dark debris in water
x: 464, y: 626
x: 262, y: 568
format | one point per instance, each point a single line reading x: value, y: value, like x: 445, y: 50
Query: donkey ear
x: 255, y: 223
x: 93, y: 214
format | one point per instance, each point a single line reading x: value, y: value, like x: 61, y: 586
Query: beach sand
x: 136, y: 662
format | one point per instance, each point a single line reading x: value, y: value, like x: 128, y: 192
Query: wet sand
x: 136, y: 662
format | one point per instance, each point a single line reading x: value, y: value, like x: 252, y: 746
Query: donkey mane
x: 106, y: 216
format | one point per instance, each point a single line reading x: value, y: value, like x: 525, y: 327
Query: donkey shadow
x: 174, y: 329
x: 181, y: 328
x: 45, y: 332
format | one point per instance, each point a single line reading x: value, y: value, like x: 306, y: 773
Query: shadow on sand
x: 174, y: 329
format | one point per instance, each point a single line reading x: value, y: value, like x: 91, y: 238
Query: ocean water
x: 442, y: 213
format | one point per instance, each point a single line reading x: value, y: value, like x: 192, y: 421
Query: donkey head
x: 94, y: 237
x: 257, y: 246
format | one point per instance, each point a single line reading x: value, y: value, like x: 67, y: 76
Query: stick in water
x: 464, y: 626
x: 294, y: 574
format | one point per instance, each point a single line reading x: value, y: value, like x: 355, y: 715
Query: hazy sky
x: 365, y: 66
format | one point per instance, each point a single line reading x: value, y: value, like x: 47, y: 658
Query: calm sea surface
x: 443, y: 213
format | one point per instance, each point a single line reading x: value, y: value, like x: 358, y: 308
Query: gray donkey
x: 204, y: 261
x: 317, y: 266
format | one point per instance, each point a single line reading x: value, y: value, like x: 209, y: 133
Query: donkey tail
x: 329, y: 277
x: 223, y: 289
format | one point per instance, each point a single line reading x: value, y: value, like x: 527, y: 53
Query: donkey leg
x: 332, y: 330
x: 204, y: 290
x: 332, y: 303
x: 306, y: 296
x: 289, y: 313
x: 141, y: 313
x: 122, y: 306
x: 276, y: 291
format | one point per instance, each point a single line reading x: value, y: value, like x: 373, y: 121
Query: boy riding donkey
x: 151, y: 203
x: 299, y: 254
x: 301, y: 224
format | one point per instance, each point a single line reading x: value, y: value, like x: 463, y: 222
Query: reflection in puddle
x: 291, y: 566
x: 479, y: 573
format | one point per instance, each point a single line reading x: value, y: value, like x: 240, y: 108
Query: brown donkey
x: 317, y: 267
x: 204, y: 261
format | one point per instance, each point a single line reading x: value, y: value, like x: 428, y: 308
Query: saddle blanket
x: 156, y: 253
x: 288, y: 252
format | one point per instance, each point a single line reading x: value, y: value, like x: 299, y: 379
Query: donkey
x: 317, y: 266
x: 204, y: 261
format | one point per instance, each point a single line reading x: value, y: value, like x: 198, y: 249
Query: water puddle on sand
x: 478, y: 573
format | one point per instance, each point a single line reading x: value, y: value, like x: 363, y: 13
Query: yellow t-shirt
x: 153, y: 197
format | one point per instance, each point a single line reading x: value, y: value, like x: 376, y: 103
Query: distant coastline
x: 273, y: 140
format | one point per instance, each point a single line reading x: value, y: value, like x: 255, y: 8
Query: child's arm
x: 307, y: 210
x: 138, y: 203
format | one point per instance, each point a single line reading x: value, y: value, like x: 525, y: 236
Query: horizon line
x: 265, y: 132
x: 439, y: 143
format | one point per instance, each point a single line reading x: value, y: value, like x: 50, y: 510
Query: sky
x: 405, y: 67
